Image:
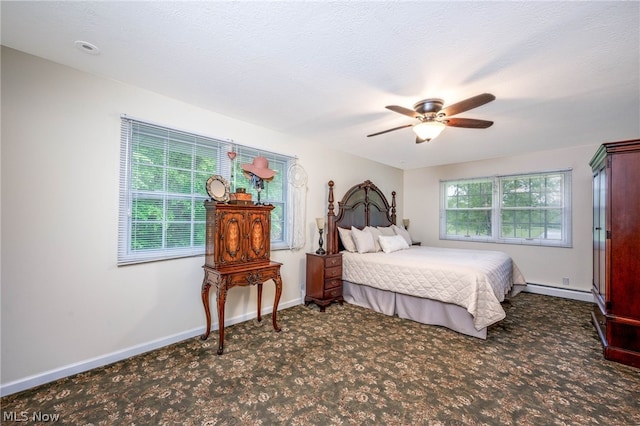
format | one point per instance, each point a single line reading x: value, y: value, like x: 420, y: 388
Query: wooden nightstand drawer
x: 333, y: 261
x: 335, y: 272
x: 336, y: 282
x: 332, y: 293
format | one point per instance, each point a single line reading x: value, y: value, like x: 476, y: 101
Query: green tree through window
x: 532, y: 208
x: 469, y: 208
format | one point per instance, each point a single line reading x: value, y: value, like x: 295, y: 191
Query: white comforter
x: 477, y: 280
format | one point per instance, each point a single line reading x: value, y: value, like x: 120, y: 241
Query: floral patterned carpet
x: 542, y: 365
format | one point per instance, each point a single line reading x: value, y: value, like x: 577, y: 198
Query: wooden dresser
x: 616, y: 249
x: 324, y: 279
x: 237, y: 251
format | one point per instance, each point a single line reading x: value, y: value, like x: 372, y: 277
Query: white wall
x: 540, y: 265
x: 66, y: 306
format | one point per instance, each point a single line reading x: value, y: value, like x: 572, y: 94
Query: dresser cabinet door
x: 230, y: 247
x: 258, y: 242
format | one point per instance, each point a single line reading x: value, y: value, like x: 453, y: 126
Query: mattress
x: 477, y: 280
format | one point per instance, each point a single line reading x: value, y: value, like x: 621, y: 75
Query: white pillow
x: 386, y: 230
x: 391, y: 244
x: 347, y: 240
x: 376, y: 233
x: 403, y: 233
x: 364, y: 240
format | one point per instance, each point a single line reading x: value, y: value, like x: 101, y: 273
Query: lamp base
x: 320, y: 243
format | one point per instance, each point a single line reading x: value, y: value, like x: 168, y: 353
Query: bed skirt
x: 426, y: 311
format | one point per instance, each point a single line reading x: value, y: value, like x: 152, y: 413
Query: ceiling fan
x: 433, y: 118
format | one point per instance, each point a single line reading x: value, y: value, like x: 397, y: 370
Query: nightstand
x: 324, y: 279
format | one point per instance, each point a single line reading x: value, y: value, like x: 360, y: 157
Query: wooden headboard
x: 362, y: 205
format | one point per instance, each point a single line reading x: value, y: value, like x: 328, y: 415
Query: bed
x: 455, y: 288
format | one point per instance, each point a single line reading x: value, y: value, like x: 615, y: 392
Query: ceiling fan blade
x: 471, y: 123
x: 390, y: 130
x: 467, y: 104
x: 403, y: 110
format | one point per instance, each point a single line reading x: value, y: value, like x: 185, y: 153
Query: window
x: 531, y: 208
x: 162, y: 190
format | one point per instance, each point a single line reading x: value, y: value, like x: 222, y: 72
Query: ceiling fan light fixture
x: 433, y: 118
x: 428, y: 130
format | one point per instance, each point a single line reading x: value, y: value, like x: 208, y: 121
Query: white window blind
x: 163, y: 173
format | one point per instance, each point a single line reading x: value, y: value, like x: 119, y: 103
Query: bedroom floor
x: 543, y: 364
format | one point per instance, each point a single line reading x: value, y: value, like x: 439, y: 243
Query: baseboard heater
x: 584, y: 296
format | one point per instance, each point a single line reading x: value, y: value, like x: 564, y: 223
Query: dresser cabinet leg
x: 278, y: 281
x: 222, y: 297
x: 207, y: 312
x: 259, y: 317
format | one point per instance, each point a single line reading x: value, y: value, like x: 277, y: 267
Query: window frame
x: 224, y: 166
x: 498, y: 209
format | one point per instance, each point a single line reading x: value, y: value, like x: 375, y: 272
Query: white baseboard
x: 81, y: 367
x: 584, y: 296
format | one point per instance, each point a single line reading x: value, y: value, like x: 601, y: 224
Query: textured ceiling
x: 563, y: 73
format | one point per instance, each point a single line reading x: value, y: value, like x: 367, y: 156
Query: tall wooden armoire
x: 616, y: 249
x: 237, y: 253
